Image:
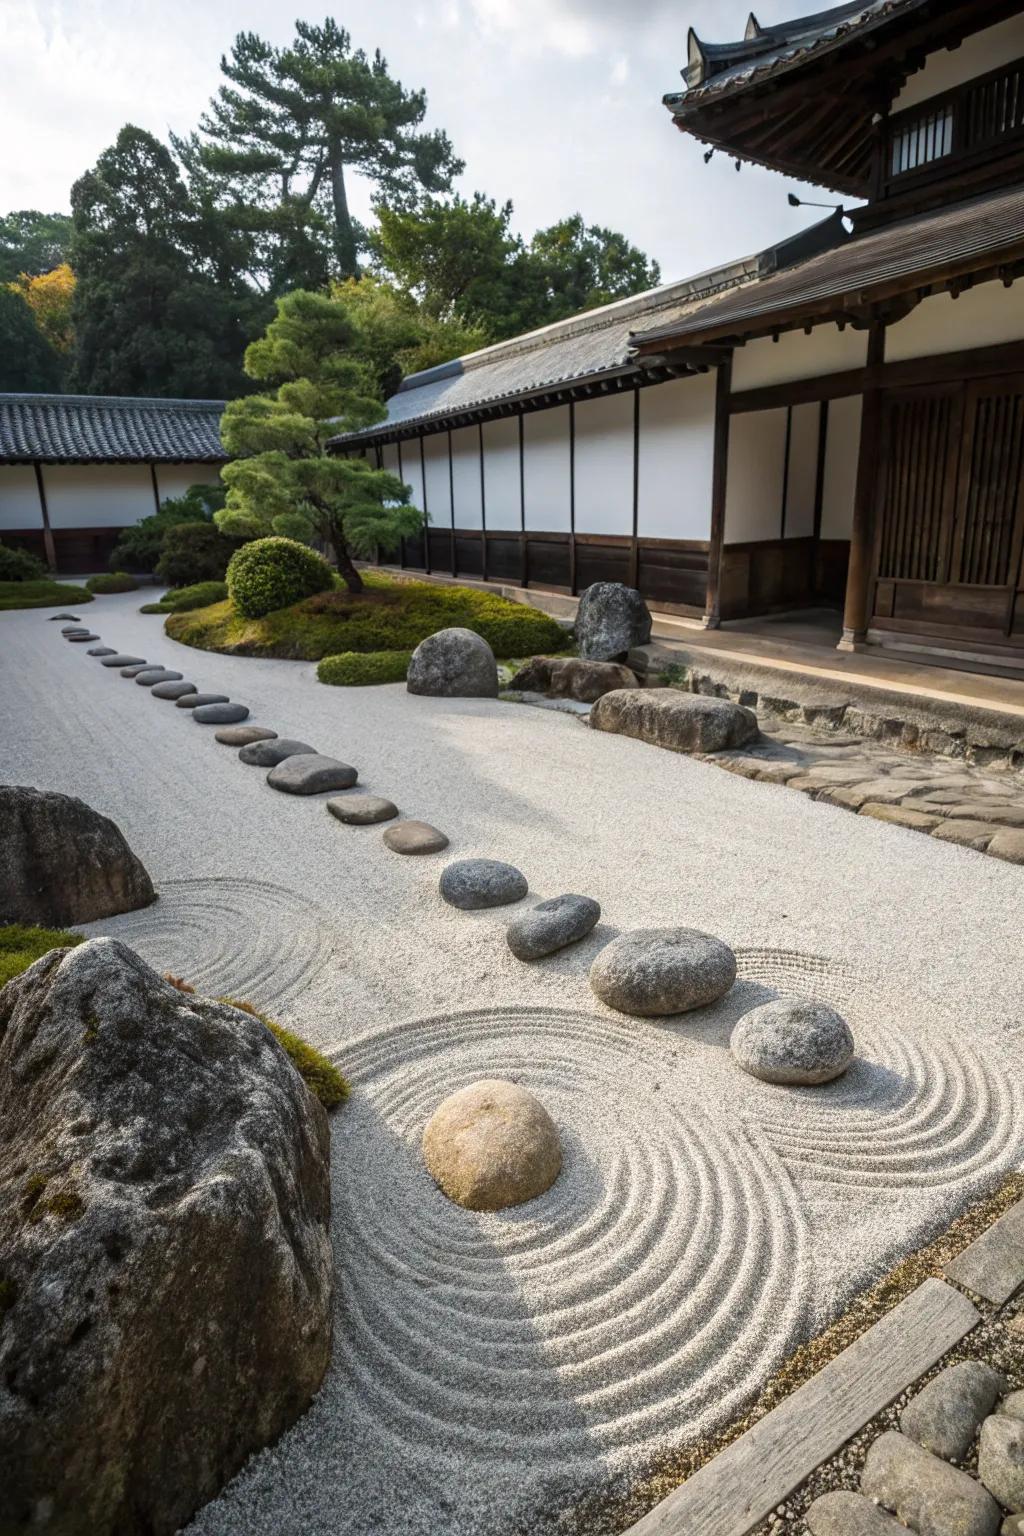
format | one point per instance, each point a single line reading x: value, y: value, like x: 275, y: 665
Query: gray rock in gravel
x: 568, y: 677
x: 267, y: 753
x: 362, y: 810
x: 310, y: 773
x: 74, y: 629
x: 243, y: 735
x: 1012, y: 1405
x: 850, y: 1514
x: 474, y: 884
x: 551, y: 926
x: 926, y: 1493
x: 655, y: 972
x: 101, y: 650
x: 414, y: 837
x: 610, y: 620
x: 946, y: 1414
x: 196, y: 700
x: 793, y: 1040
x: 172, y: 689
x: 1001, y: 1460
x: 681, y: 722
x: 453, y: 664
x: 82, y: 638
x: 164, y: 1243
x: 61, y: 862
x: 137, y: 667
x: 152, y: 675
x: 1013, y: 1525
x: 54, y: 617
x: 120, y: 660
x: 223, y: 712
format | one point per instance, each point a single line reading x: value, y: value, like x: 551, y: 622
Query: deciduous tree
x: 50, y: 296
x: 32, y: 242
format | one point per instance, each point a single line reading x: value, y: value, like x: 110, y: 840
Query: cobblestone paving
x: 951, y: 801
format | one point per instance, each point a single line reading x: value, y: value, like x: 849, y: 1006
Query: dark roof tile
x: 75, y: 429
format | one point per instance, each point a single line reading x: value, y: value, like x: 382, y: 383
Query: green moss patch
x: 184, y: 599
x: 41, y: 594
x: 321, y: 1077
x: 355, y: 669
x: 115, y: 581
x: 22, y: 946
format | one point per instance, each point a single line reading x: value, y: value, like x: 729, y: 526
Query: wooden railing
x: 956, y: 127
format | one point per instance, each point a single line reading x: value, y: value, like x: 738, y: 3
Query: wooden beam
x: 48, y: 544
x: 720, y: 474
x: 858, y: 584
x: 634, y: 557
x: 483, y: 506
x: 156, y: 488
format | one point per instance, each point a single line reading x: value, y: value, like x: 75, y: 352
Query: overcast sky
x: 555, y: 104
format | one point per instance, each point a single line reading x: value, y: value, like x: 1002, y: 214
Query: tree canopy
x: 50, y: 296
x: 27, y: 361
x: 32, y: 242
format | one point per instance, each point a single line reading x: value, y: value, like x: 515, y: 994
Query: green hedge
x: 275, y: 573
x: 21, y: 946
x: 41, y: 594
x: 183, y: 599
x: 357, y: 669
x: 20, y: 565
x: 194, y: 552
x: 117, y: 581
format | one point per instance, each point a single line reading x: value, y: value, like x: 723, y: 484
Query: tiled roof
x: 75, y: 429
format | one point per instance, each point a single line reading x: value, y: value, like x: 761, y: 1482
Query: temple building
x: 837, y: 420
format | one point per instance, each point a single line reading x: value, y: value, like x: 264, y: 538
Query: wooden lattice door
x: 950, y: 512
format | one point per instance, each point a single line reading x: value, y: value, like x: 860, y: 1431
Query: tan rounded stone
x: 492, y: 1145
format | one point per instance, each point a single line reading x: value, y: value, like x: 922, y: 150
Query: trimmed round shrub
x: 20, y: 565
x: 354, y: 669
x: 194, y: 552
x: 117, y: 581
x: 274, y: 573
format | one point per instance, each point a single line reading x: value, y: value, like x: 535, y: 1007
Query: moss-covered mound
x: 184, y: 599
x: 390, y: 615
x: 114, y: 581
x: 358, y: 669
x: 22, y: 946
x: 41, y: 594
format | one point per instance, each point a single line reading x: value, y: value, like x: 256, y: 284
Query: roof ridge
x: 156, y: 402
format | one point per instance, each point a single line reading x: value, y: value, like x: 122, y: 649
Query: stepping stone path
x: 309, y: 773
x: 136, y: 668
x: 119, y: 660
x: 171, y: 689
x: 195, y: 700
x: 101, y: 650
x: 551, y: 926
x: 793, y: 1040
x: 79, y: 639
x: 268, y: 751
x: 362, y: 810
x: 492, y: 1145
x: 655, y: 972
x: 243, y: 735
x: 414, y: 837
x: 55, y: 616
x: 151, y: 675
x: 222, y: 712
x: 475, y: 884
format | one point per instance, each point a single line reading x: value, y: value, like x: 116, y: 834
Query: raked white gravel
x: 490, y: 1370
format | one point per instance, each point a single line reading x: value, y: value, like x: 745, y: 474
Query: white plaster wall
x: 175, y: 479
x: 466, y: 477
x: 439, y: 486
x: 97, y: 495
x: 798, y: 356
x: 19, y: 497
x: 980, y: 317
x: 677, y: 454
x: 501, y: 473
x: 546, y: 470
x: 604, y: 465
x: 803, y: 471
x: 942, y: 71
x: 842, y: 447
x: 757, y: 457
x: 411, y: 472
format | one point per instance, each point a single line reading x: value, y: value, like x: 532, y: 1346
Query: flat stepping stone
x: 221, y: 713
x: 194, y: 700
x: 993, y: 1266
x: 55, y: 616
x: 414, y: 837
x: 849, y: 1514
x: 79, y: 639
x: 243, y: 735
x: 130, y: 672
x: 793, y: 1040
x: 309, y: 773
x: 475, y: 884
x: 552, y: 925
x: 362, y: 810
x: 150, y: 675
x: 101, y: 650
x: 119, y: 659
x: 267, y: 752
x: 171, y: 689
x: 655, y: 972
x: 74, y: 629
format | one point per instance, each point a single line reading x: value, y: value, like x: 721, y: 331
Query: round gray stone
x: 221, y: 713
x: 551, y: 926
x: 793, y: 1040
x: 414, y: 837
x: 192, y: 700
x: 171, y: 689
x: 119, y: 659
x: 150, y: 675
x: 473, y: 884
x: 659, y: 971
x: 1001, y: 1461
x: 362, y: 810
x: 54, y: 617
x: 945, y: 1415
x: 242, y: 735
x: 850, y: 1514
x: 101, y: 650
x: 81, y: 638
x: 453, y: 664
x: 267, y: 753
x: 310, y: 773
x: 610, y: 620
x: 137, y: 667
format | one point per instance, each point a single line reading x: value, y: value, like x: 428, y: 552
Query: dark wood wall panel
x: 440, y: 549
x: 767, y: 576
x: 469, y: 554
x: 413, y: 553
x: 504, y: 557
x: 991, y: 492
x: 602, y: 562
x: 919, y: 438
x: 675, y: 574
x: 548, y: 560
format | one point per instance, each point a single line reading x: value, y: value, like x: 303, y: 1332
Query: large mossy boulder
x: 165, y: 1262
x: 610, y: 620
x: 61, y: 862
x: 682, y: 722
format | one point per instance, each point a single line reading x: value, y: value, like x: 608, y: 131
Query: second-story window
x: 922, y: 140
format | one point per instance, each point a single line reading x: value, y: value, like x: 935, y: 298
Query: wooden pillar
x: 720, y: 474
x: 156, y: 488
x: 483, y: 507
x: 634, y: 550
x: 862, y: 534
x: 401, y: 542
x: 48, y: 544
x: 451, y: 501
x: 524, y: 561
x: 572, y: 497
x: 426, y: 512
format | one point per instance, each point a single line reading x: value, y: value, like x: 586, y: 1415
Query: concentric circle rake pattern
x: 655, y: 1283
x: 919, y: 1108
x: 236, y: 938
